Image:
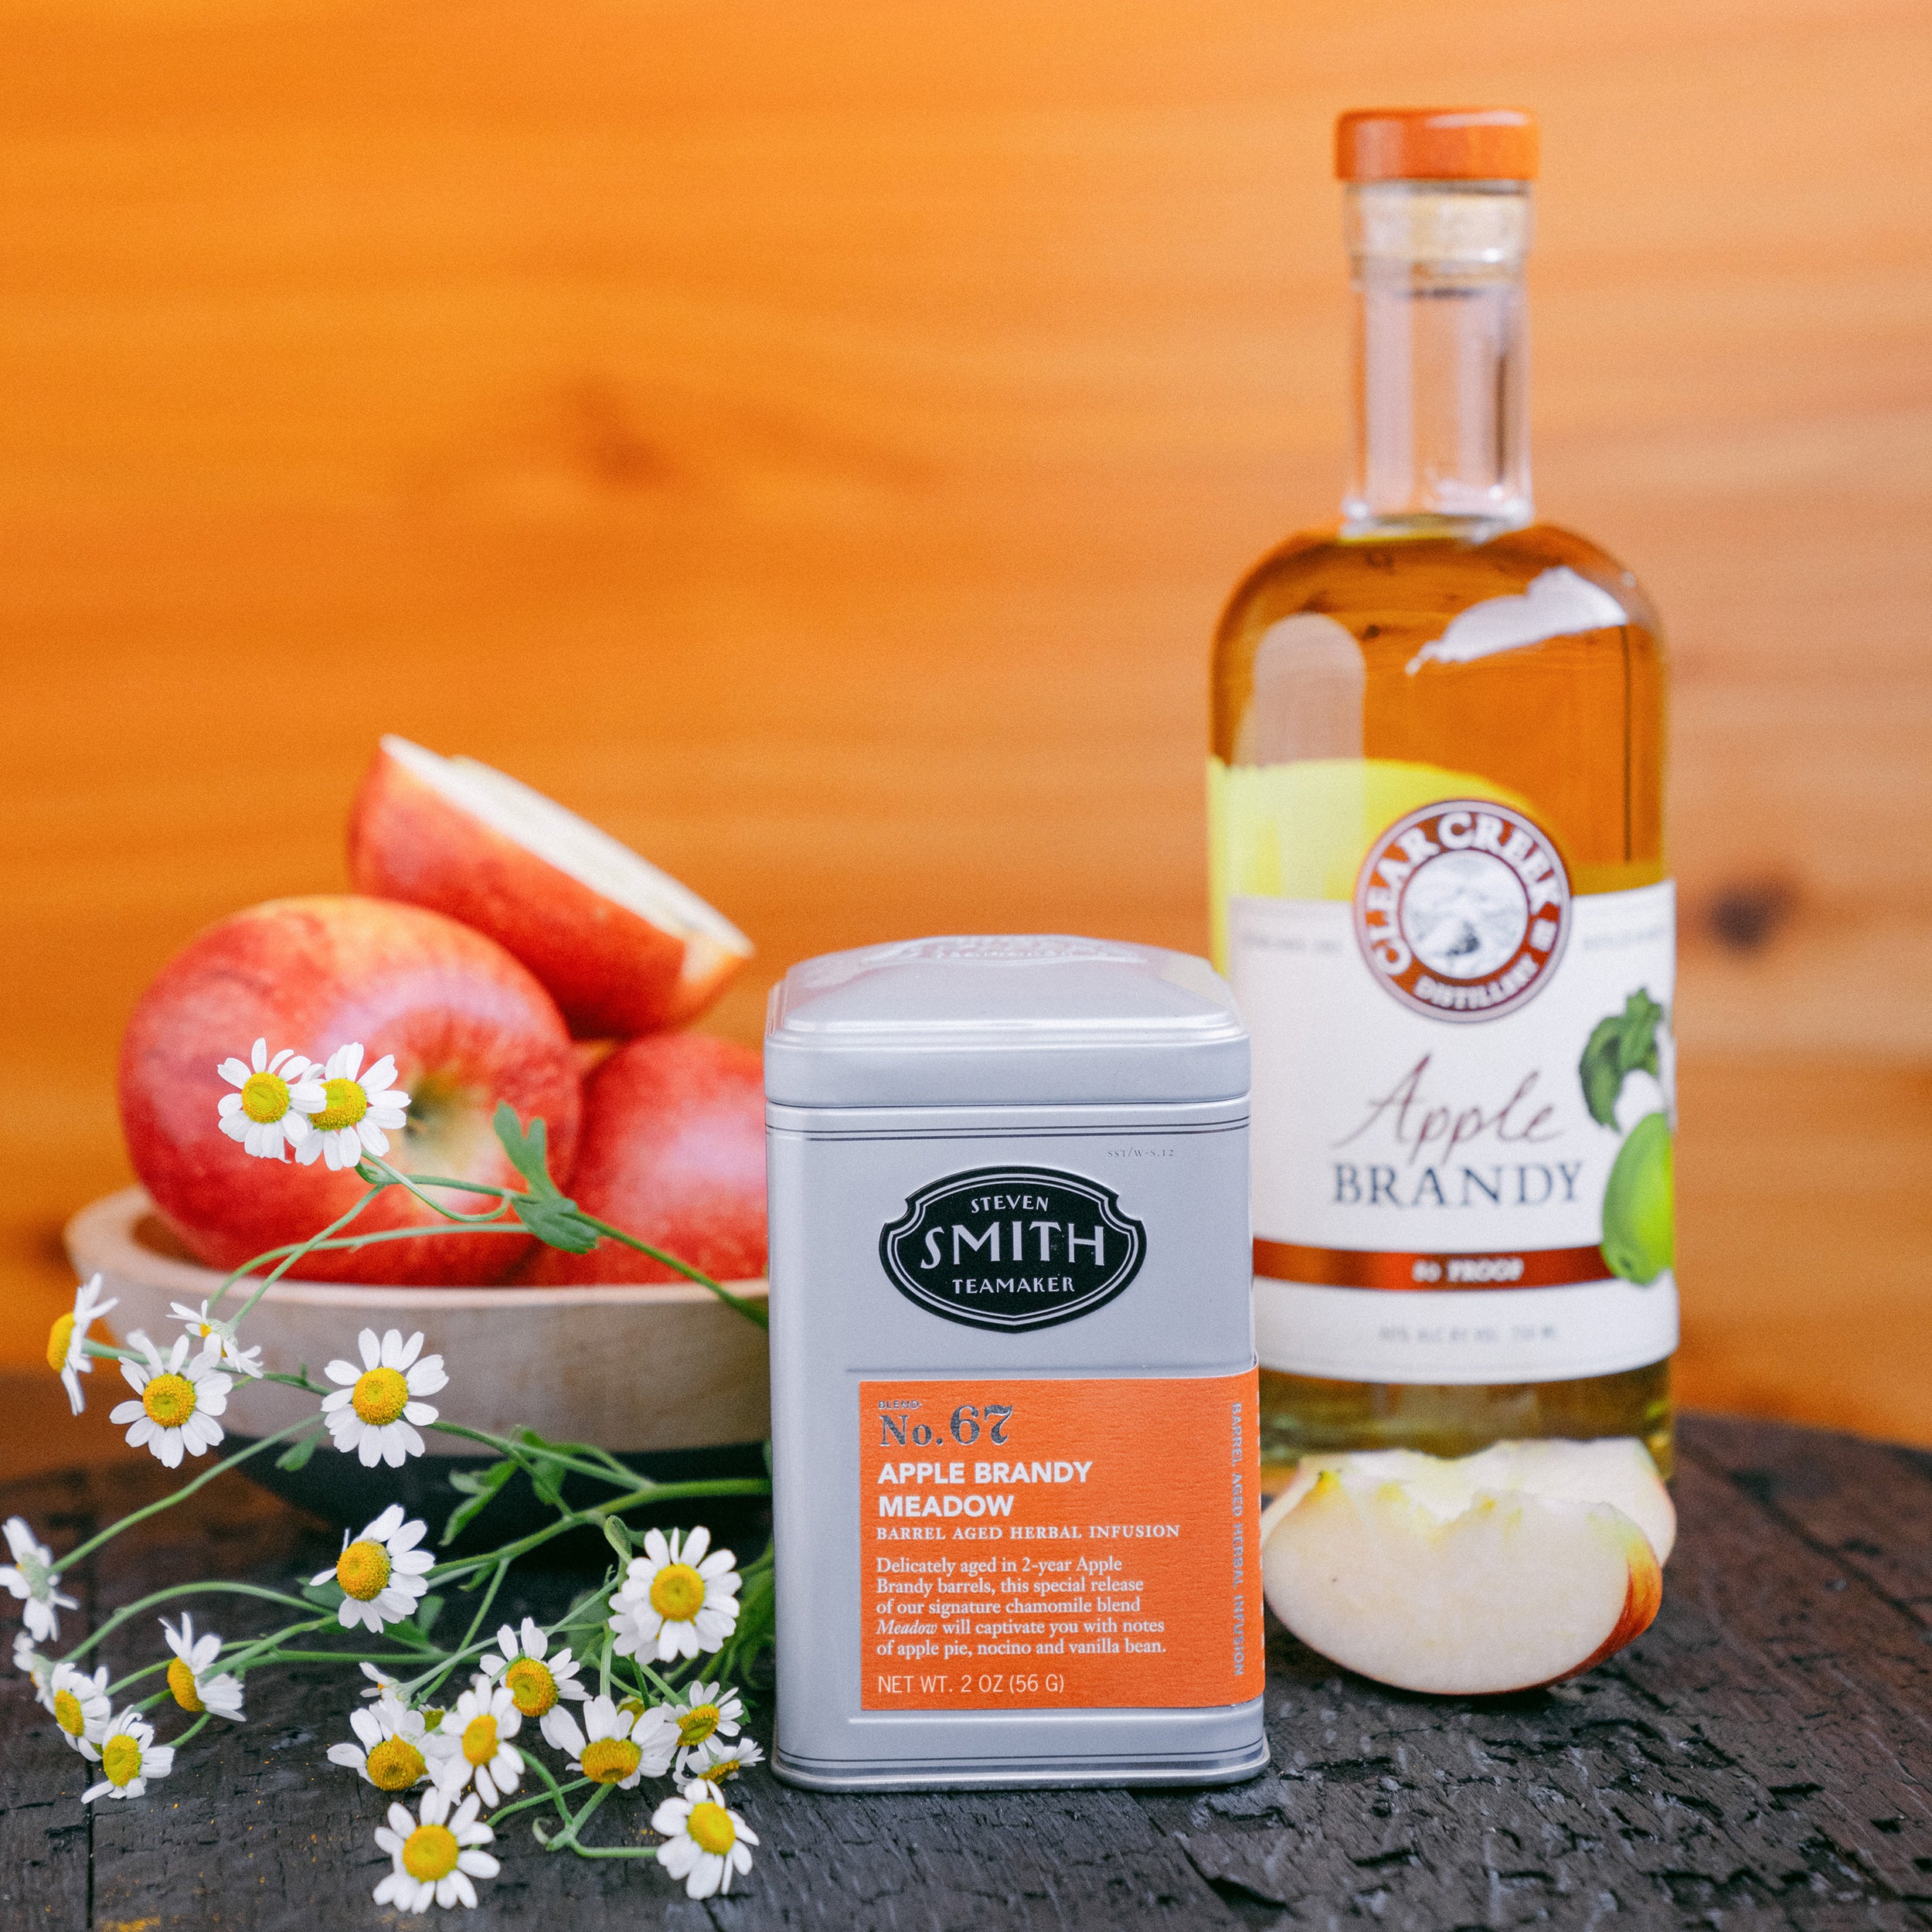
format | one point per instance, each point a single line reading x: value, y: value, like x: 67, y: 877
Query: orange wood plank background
x: 815, y: 441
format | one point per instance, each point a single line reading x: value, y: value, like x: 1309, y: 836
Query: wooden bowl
x: 663, y: 1374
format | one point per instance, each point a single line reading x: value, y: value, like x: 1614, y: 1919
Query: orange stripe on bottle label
x: 1088, y: 1543
x: 1356, y: 1268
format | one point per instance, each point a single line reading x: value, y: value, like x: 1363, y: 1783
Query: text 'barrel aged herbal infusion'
x: 1438, y: 879
x: 1015, y: 1474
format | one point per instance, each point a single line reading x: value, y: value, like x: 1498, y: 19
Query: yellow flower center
x: 432, y: 1717
x: 479, y: 1739
x: 532, y: 1687
x: 362, y: 1570
x: 169, y: 1399
x: 697, y: 1724
x: 677, y: 1592
x: 68, y: 1714
x: 395, y: 1765
x: 121, y: 1759
x: 265, y: 1097
x: 59, y: 1337
x: 343, y: 1103
x: 380, y: 1396
x: 429, y: 1852
x: 181, y: 1681
x: 722, y: 1768
x: 710, y: 1826
x: 609, y: 1760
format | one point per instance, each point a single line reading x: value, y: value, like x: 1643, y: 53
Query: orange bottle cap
x: 1436, y: 144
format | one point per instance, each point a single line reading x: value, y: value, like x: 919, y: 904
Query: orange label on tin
x: 1091, y: 1543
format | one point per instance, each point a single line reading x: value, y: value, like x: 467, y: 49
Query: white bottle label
x: 1463, y: 1113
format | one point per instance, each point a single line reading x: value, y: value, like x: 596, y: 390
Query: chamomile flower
x: 180, y: 1397
x: 351, y: 1112
x: 619, y: 1743
x: 202, y: 1329
x: 719, y: 1758
x: 67, y: 1340
x: 703, y: 1713
x: 189, y: 1673
x: 32, y: 1577
x: 80, y: 1705
x: 474, y: 1743
x: 704, y: 1843
x: 377, y: 1410
x: 129, y: 1756
x: 382, y: 1572
x: 535, y: 1680
x: 435, y: 1854
x: 393, y: 1754
x: 38, y: 1669
x: 270, y: 1111
x: 675, y: 1600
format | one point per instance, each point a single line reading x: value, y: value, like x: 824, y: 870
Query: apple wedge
x: 1617, y: 1470
x: 622, y: 948
x: 1429, y: 1586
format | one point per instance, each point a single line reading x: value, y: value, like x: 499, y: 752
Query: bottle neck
x: 1442, y: 357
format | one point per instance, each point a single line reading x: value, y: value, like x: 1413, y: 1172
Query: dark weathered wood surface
x: 1761, y: 1759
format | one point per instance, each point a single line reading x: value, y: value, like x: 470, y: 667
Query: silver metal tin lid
x: 991, y: 1022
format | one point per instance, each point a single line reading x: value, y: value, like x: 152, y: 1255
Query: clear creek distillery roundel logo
x: 1462, y: 909
x: 1012, y: 1247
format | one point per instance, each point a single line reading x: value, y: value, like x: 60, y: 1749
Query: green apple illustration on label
x: 1627, y: 1086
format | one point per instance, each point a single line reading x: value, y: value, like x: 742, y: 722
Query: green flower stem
x: 291, y: 1252
x: 200, y: 1720
x: 182, y: 1493
x: 555, y: 1795
x: 519, y: 1452
x: 243, y: 1655
x: 578, y: 1519
x: 336, y: 1656
x: 431, y: 1679
x: 180, y: 1590
x: 750, y: 1312
x: 268, y: 1648
x: 397, y: 1178
x: 568, y: 1836
x: 748, y: 1309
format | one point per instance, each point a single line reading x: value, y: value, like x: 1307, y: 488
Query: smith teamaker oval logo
x: 1012, y: 1247
x: 1462, y: 909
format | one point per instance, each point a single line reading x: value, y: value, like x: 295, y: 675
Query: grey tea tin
x: 1013, y: 1398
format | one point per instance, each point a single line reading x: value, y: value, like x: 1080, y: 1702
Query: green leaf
x: 529, y: 1149
x: 426, y: 1613
x: 297, y: 1454
x: 554, y: 1221
x: 545, y: 1473
x: 324, y: 1596
x: 1624, y: 1043
x: 756, y: 1626
x: 479, y: 1488
x: 618, y: 1536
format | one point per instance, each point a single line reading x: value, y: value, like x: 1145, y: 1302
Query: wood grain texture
x: 816, y: 443
x: 1758, y: 1758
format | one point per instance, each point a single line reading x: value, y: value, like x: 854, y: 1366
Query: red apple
x: 467, y: 1025
x: 673, y: 1151
x: 623, y: 947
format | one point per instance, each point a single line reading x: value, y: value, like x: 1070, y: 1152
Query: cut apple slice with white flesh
x: 1394, y: 1565
x: 622, y: 948
x: 1617, y: 1470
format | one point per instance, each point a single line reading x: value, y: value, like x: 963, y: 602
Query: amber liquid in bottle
x: 1380, y: 696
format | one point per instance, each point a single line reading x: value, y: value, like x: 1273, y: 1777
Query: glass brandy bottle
x: 1438, y: 879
